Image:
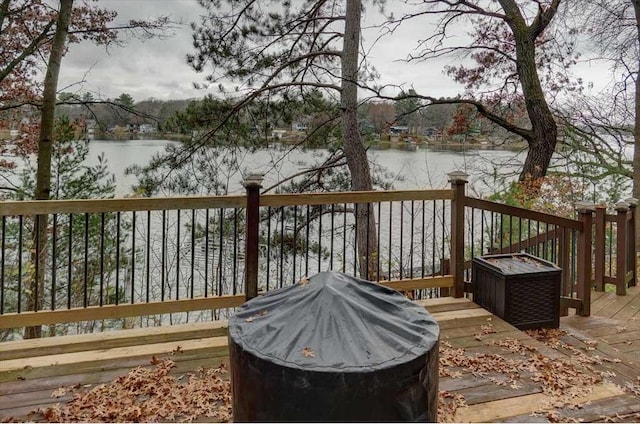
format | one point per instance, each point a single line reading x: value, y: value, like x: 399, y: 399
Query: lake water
x: 409, y: 166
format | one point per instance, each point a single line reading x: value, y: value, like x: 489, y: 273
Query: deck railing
x: 138, y: 262
x: 615, y: 233
x: 187, y: 259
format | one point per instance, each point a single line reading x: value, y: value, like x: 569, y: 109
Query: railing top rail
x: 41, y: 207
x: 298, y: 199
x: 524, y: 213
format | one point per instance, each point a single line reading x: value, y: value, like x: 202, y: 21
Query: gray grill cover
x: 369, y: 344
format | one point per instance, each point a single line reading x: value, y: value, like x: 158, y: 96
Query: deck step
x: 152, y: 335
x: 110, y: 339
x: 99, y: 352
x: 111, y: 358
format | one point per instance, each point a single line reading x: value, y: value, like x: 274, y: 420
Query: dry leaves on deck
x: 150, y: 395
x: 521, y: 364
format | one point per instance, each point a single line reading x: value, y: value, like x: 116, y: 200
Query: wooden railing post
x: 585, y: 215
x: 564, y: 261
x: 633, y: 257
x: 458, y: 182
x: 252, y: 183
x: 600, y: 242
x: 621, y: 248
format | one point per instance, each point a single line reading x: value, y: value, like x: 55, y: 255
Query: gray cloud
x: 157, y: 68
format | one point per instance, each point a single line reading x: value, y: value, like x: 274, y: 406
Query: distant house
x: 299, y: 125
x: 430, y: 132
x: 147, y: 128
x: 278, y: 133
x: 398, y: 129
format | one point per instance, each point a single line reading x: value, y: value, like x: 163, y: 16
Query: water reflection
x: 410, y: 166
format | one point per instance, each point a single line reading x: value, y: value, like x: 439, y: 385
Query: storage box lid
x: 517, y: 263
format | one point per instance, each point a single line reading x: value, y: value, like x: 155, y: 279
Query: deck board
x: 463, y: 326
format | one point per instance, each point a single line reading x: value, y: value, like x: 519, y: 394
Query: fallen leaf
x: 59, y: 392
x: 304, y: 281
x: 258, y: 315
x: 308, y: 353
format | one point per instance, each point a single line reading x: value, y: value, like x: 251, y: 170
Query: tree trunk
x: 543, y: 124
x: 45, y: 145
x: 636, y: 128
x: 354, y: 150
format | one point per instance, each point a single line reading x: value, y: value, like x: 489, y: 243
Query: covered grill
x: 333, y: 348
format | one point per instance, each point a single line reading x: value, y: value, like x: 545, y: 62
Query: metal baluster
x: 133, y: 257
x: 102, y: 231
x: 411, y: 241
x: 268, y: 246
x: 20, y: 264
x: 344, y: 239
x: 482, y: 231
x: 295, y: 240
x: 86, y: 260
x: 472, y: 232
x: 220, y: 252
x: 206, y: 253
x: 282, y: 229
x: 355, y: 240
x: 501, y: 231
x: 69, y: 264
x: 306, y: 261
x: 163, y: 251
x: 178, y: 249
x: 117, y: 258
x: 333, y: 211
x: 390, y: 238
x: 444, y: 210
x: 378, y: 238
x: 193, y: 250
x: 235, y: 251
x: 320, y: 239
x: 37, y: 264
x: 433, y: 240
x: 401, y: 234
x: 148, y: 252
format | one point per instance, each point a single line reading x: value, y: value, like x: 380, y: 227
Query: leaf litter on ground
x: 153, y: 395
x: 148, y: 395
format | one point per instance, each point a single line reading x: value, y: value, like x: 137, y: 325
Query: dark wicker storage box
x: 521, y: 289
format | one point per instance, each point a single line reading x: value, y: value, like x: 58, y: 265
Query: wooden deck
x: 490, y: 371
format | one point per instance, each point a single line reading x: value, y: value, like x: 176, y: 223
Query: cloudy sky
x: 157, y: 68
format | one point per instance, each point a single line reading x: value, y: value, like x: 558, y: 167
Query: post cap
x: 456, y: 176
x: 632, y: 201
x: 253, y: 180
x: 622, y: 206
x: 583, y: 206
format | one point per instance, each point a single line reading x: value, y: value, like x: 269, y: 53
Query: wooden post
x: 600, y: 242
x: 585, y: 215
x: 564, y: 261
x: 633, y: 257
x: 621, y: 248
x: 252, y: 183
x: 458, y: 182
